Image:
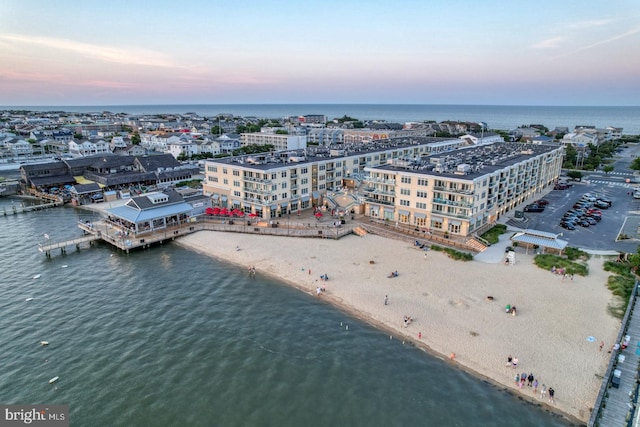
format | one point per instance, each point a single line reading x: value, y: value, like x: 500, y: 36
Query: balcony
x: 258, y: 180
x: 452, y: 203
x: 378, y: 201
x: 256, y: 190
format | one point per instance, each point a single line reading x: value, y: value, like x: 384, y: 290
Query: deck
x: 126, y: 240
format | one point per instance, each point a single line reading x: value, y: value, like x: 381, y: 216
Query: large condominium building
x: 277, y: 183
x: 460, y: 192
x: 280, y: 142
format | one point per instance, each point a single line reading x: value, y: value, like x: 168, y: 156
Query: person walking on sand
x: 535, y: 387
x: 552, y: 393
x: 386, y: 299
x: 509, y: 361
x: 543, y: 392
x: 530, y: 379
x: 515, y: 362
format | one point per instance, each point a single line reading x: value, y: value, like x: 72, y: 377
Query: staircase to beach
x: 359, y: 231
x: 475, y: 245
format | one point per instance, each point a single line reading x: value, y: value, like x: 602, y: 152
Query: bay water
x: 169, y: 337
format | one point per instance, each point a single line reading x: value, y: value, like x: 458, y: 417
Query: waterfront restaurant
x: 150, y: 212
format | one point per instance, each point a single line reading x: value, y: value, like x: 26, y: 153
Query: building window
x: 212, y: 178
x: 405, y: 191
x: 236, y: 183
x: 405, y: 180
x: 405, y: 203
x: 212, y: 169
x: 422, y: 194
x: 284, y: 196
x: 454, y: 228
x: 423, y: 182
x: 437, y: 224
x: 321, y: 167
x: 226, y: 181
x: 304, y: 170
x: 224, y: 171
x: 283, y: 174
x: 421, y: 205
x: 236, y: 173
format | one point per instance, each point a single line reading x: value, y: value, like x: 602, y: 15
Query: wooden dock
x: 48, y: 247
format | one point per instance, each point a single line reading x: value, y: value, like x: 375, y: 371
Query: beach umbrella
x: 252, y: 215
x: 318, y: 214
x: 239, y: 212
x: 208, y: 211
x: 215, y: 211
x: 224, y: 212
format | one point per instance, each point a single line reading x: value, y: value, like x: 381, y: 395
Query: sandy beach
x: 456, y: 307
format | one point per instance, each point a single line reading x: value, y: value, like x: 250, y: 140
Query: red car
x: 594, y: 211
x: 542, y: 202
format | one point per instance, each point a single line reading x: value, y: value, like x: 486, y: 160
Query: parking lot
x: 623, y: 217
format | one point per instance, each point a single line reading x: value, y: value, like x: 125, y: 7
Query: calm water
x: 167, y: 337
x: 496, y: 116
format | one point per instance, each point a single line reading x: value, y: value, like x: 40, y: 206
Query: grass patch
x: 453, y: 254
x: 492, y: 235
x: 574, y: 254
x: 621, y: 284
x: 547, y: 261
x: 621, y: 268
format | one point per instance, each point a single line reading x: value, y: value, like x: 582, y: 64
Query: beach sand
x: 448, y: 302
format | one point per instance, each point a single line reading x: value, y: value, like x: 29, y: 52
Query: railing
x: 605, y: 379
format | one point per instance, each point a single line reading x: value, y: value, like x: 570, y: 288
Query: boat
x: 53, y: 380
x: 64, y: 266
x: 43, y: 343
x: 37, y: 276
x: 29, y: 299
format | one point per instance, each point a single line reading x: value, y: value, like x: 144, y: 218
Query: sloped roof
x: 85, y: 188
x: 540, y: 238
x: 143, y: 202
x: 134, y: 215
x: 152, y: 163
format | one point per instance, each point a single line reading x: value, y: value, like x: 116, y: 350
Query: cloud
x: 590, y: 24
x: 610, y: 39
x: 551, y: 43
x: 131, y: 56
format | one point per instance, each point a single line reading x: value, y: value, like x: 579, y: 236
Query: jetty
x: 46, y: 248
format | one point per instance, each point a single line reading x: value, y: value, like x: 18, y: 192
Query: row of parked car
x: 585, y: 212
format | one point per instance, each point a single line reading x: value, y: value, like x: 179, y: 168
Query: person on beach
x: 515, y: 362
x: 386, y: 300
x: 523, y: 378
x: 601, y: 345
x: 509, y: 360
x: 543, y: 392
x: 552, y: 393
x: 517, y: 379
x: 535, y: 387
x: 530, y: 380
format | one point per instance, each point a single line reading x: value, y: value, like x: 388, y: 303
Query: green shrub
x: 621, y: 268
x: 453, y: 254
x: 547, y: 261
x: 575, y: 253
x: 493, y: 234
x: 621, y: 286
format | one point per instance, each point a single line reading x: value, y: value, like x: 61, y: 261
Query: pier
x: 63, y: 245
x: 125, y: 240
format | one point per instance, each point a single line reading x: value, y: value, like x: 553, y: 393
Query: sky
x: 489, y: 52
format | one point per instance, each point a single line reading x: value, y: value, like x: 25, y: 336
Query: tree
x: 182, y: 157
x: 135, y: 138
x: 216, y: 130
x: 575, y: 175
x: 635, y: 164
x: 608, y: 168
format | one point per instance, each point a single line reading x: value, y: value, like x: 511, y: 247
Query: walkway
x: 615, y: 406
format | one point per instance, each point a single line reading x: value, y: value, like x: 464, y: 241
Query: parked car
x: 542, y: 202
x: 595, y: 216
x: 591, y: 220
x: 583, y: 223
x: 560, y: 187
x: 605, y: 200
x: 534, y: 208
x: 601, y: 204
x: 596, y: 211
x: 568, y: 225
